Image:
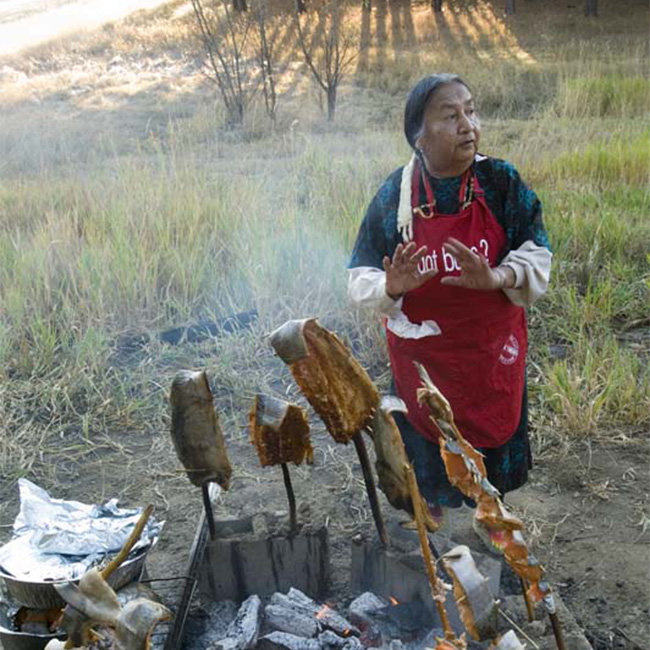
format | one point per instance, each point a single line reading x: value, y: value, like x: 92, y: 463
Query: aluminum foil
x: 60, y: 540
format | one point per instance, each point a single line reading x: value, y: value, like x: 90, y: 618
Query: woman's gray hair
x: 417, y: 99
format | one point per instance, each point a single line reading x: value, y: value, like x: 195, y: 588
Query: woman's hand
x: 475, y: 271
x: 402, y: 273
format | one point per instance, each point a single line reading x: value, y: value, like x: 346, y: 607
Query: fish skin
x: 196, y: 432
x: 391, y: 460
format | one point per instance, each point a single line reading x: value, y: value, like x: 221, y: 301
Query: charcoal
x: 362, y: 614
x: 284, y: 619
x: 242, y: 633
x: 285, y: 641
x: 327, y: 617
x: 362, y: 608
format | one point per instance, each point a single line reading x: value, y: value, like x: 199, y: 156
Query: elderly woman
x: 451, y: 251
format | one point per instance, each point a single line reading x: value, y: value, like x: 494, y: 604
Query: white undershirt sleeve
x: 367, y: 288
x: 532, y: 267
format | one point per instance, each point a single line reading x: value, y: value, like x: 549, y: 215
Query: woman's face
x: 451, y: 131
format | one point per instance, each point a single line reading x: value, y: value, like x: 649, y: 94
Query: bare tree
x: 327, y: 50
x: 239, y: 5
x: 266, y: 57
x: 437, y: 6
x: 224, y: 35
x: 510, y: 7
x: 591, y: 8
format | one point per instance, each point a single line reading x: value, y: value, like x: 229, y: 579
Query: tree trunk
x: 239, y: 5
x: 366, y: 4
x: 591, y: 8
x: 331, y: 103
x: 436, y: 5
x: 510, y: 7
x: 301, y: 7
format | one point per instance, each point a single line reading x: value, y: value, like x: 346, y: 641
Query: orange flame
x: 322, y: 612
x: 393, y: 601
x: 346, y: 632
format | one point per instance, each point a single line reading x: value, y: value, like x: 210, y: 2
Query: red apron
x: 478, y: 359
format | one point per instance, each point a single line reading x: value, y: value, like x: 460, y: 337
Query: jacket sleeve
x: 376, y: 239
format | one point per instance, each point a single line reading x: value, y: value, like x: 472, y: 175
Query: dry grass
x: 126, y: 207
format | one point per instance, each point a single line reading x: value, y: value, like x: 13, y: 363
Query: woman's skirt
x: 507, y: 466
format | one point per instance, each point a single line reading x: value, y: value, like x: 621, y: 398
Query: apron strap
x: 469, y: 188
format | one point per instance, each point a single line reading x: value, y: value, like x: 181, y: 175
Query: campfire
x: 265, y: 580
x: 445, y: 600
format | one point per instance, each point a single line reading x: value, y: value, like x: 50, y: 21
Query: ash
x: 293, y: 621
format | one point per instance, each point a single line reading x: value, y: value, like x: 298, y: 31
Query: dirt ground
x: 584, y: 505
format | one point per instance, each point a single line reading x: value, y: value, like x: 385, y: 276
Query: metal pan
x: 42, y: 595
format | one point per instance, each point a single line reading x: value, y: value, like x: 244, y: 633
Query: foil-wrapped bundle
x: 56, y: 539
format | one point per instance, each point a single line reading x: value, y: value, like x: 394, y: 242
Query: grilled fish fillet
x: 331, y: 379
x: 280, y: 432
x: 391, y: 460
x: 466, y: 471
x: 477, y: 607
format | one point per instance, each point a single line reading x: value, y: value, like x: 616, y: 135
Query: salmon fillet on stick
x: 338, y: 389
x: 280, y: 434
x: 197, y: 436
x: 466, y: 471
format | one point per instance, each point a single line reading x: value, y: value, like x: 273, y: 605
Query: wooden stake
x: 529, y: 605
x: 207, y: 506
x: 369, y: 479
x: 557, y: 629
x: 293, y: 519
x: 130, y: 543
x: 437, y: 590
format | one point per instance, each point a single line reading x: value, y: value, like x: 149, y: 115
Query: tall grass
x: 195, y: 225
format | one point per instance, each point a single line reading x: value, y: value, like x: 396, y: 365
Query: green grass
x: 607, y: 96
